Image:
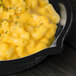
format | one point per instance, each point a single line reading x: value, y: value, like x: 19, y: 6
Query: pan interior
x: 61, y: 9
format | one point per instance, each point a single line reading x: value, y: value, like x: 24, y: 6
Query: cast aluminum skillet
x: 63, y: 7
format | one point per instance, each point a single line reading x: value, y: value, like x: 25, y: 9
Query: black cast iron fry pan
x: 63, y: 7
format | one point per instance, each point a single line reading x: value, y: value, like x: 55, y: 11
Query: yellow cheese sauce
x: 26, y: 27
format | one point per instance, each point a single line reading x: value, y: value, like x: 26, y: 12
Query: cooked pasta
x: 26, y: 27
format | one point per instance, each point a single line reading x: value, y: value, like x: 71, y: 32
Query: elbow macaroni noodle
x: 26, y: 27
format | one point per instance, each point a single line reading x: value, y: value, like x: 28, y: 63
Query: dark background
x: 59, y: 65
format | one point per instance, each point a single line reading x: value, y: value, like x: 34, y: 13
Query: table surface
x: 59, y: 65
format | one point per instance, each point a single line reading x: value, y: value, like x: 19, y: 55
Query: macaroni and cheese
x: 26, y: 27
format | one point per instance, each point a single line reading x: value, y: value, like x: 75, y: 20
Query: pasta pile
x: 26, y: 27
